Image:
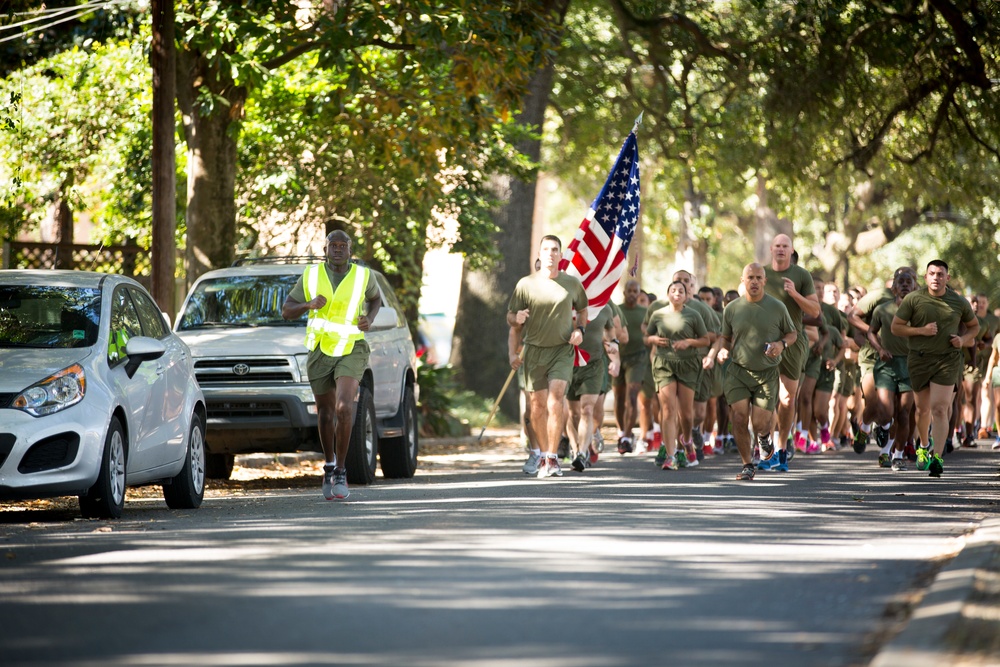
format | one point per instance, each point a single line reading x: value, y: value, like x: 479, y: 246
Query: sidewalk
x: 958, y: 621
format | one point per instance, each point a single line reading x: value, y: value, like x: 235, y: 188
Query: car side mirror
x: 140, y: 349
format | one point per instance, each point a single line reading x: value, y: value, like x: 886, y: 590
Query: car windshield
x: 49, y: 317
x: 239, y: 301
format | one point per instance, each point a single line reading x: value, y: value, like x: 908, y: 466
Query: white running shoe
x: 530, y: 466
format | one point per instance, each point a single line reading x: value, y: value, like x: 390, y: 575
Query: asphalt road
x: 474, y: 563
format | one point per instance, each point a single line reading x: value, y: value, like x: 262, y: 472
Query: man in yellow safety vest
x: 342, y: 299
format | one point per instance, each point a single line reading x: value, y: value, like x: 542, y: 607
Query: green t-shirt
x: 949, y: 311
x: 711, y: 319
x: 833, y: 317
x: 593, y: 337
x: 776, y: 287
x: 864, y: 309
x: 551, y: 302
x: 992, y: 323
x: 897, y: 346
x: 632, y: 319
x: 752, y: 324
x: 668, y: 323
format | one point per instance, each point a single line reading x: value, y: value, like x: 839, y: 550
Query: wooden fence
x: 127, y: 260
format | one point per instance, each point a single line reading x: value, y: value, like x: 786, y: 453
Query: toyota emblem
x: 241, y: 369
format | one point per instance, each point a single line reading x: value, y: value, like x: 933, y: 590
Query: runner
x: 993, y: 377
x: 793, y: 286
x: 542, y: 305
x: 634, y: 360
x: 930, y: 317
x: 892, y: 377
x: 756, y: 331
x: 586, y: 386
x: 675, y: 331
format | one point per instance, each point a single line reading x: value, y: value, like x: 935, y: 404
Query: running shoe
x: 340, y: 490
x: 860, y: 442
x: 936, y: 466
x: 949, y: 445
x: 707, y: 450
x: 697, y: 438
x: 692, y: 456
x: 996, y: 443
x: 746, y: 475
x: 698, y: 453
x: 800, y: 442
x: 899, y: 463
x: 669, y: 464
x: 543, y: 467
x: 884, y: 461
x: 791, y: 451
x: 782, y: 465
x: 910, y: 452
x: 562, y: 452
x: 813, y: 448
x: 923, y: 458
x: 661, y: 455
x: 881, y: 436
x: 767, y: 464
x: 969, y: 442
x: 641, y: 446
x: 599, y: 441
x: 594, y: 454
x: 681, y: 458
x: 766, y: 446
x: 530, y: 466
x: 983, y: 433
x: 824, y: 435
x: 657, y: 439
x: 579, y: 463
x: 624, y: 445
x: 755, y: 455
x: 328, y: 474
x: 555, y: 470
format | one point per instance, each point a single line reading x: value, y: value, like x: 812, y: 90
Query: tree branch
x: 976, y: 70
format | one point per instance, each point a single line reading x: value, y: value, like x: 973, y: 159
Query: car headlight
x: 54, y: 393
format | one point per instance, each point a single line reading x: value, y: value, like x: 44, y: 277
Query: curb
x: 923, y: 642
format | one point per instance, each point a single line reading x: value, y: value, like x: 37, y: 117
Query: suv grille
x: 245, y: 371
x: 244, y: 409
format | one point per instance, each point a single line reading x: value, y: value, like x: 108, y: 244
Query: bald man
x: 793, y: 286
x: 756, y: 331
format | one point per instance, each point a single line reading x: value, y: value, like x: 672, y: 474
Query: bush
x: 446, y: 410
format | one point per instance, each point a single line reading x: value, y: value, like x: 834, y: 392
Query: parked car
x: 251, y: 364
x: 96, y: 393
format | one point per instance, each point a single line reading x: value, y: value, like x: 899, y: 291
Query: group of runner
x: 783, y: 364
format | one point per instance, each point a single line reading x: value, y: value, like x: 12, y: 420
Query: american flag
x: 598, y: 251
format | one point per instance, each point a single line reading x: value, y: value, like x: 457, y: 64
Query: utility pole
x: 163, y: 249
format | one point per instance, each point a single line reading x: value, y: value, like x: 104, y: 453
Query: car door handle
x: 159, y: 369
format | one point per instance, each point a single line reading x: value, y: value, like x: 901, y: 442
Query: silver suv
x: 251, y: 365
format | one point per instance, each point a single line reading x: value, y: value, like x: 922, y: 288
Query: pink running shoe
x: 824, y: 435
x: 814, y: 448
x: 801, y: 443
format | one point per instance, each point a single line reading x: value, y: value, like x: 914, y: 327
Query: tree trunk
x: 767, y: 225
x: 211, y: 165
x: 692, y: 250
x: 164, y: 247
x: 479, y: 348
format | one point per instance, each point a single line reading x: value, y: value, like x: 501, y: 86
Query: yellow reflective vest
x: 334, y: 327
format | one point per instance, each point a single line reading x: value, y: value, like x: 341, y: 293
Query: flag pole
x: 638, y: 121
x: 496, y: 403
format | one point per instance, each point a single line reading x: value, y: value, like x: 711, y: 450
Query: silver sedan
x: 96, y: 394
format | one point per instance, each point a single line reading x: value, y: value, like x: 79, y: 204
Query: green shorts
x: 324, y: 370
x: 544, y: 364
x: 944, y: 369
x: 826, y: 380
x: 717, y: 375
x: 606, y: 384
x: 587, y: 380
x: 995, y: 378
x: 633, y: 368
x: 814, y: 365
x: 760, y: 387
x: 648, y: 386
x: 847, y: 379
x: 793, y: 360
x: 893, y: 375
x: 684, y: 371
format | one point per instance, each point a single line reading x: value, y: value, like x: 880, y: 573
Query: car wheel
x: 106, y: 498
x: 399, y: 455
x: 362, y: 455
x: 219, y: 466
x: 187, y: 489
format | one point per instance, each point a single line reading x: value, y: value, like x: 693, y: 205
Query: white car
x: 251, y: 364
x: 96, y: 394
